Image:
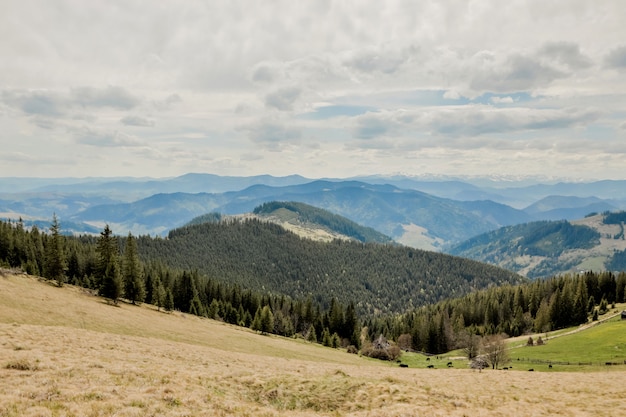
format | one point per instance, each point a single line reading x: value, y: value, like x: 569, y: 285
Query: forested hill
x: 377, y: 278
x: 313, y: 218
x: 546, y: 248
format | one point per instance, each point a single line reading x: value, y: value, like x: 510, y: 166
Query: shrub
x: 381, y: 349
x: 21, y: 365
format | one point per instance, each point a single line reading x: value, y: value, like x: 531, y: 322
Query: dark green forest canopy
x: 377, y: 278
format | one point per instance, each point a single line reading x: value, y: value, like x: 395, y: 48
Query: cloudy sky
x: 319, y: 88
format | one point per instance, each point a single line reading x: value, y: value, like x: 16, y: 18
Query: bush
x: 21, y: 365
x: 381, y: 349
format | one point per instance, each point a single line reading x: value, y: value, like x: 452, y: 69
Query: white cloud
x: 137, y: 121
x: 283, y: 99
x: 98, y: 138
x: 236, y: 79
x: 502, y: 100
x: 617, y: 58
x: 112, y: 96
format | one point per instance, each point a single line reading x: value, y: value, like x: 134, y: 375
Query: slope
x: 264, y: 256
x: 540, y: 249
x: 306, y: 220
x: 64, y: 352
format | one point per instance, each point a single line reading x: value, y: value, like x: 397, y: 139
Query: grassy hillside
x: 573, y: 350
x: 64, y: 352
x: 294, y: 213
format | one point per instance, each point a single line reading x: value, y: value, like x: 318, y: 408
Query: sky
x: 318, y: 88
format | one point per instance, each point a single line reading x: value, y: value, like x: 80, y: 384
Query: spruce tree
x: 134, y: 286
x: 267, y: 320
x: 169, y: 300
x: 158, y: 295
x: 311, y: 336
x: 108, y: 271
x: 55, y: 254
x: 256, y: 322
x: 326, y: 340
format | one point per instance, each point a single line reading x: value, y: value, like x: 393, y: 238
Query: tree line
x: 540, y: 306
x: 111, y: 266
x: 115, y: 268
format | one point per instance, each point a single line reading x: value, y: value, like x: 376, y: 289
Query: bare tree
x: 494, y: 350
x: 405, y: 342
x: 471, y: 345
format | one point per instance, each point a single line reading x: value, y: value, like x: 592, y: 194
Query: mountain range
x: 539, y: 249
x: 423, y: 213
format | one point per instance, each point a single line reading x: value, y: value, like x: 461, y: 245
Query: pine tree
x: 134, y: 285
x: 158, y: 295
x: 311, y: 336
x: 267, y: 320
x: 326, y: 341
x: 579, y: 312
x: 112, y: 287
x: 169, y: 300
x: 256, y: 322
x: 55, y: 254
x: 108, y: 271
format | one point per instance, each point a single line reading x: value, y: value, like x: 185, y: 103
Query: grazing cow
x: 531, y: 370
x: 430, y: 366
x: 428, y: 359
x: 404, y: 365
x: 449, y: 365
x: 550, y: 366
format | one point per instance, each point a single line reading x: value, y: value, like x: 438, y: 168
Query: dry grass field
x: 64, y: 352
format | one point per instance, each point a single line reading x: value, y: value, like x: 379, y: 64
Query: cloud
x: 617, y: 58
x: 502, y: 100
x: 56, y: 103
x: 106, y: 139
x: 45, y: 103
x: 467, y: 121
x: 283, y: 99
x: 273, y: 135
x: 114, y: 97
x: 372, y: 125
x: 137, y: 121
x: 384, y: 60
x: 517, y: 73
x: 565, y: 53
x: 264, y: 73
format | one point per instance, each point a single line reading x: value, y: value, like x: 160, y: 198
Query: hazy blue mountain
x: 545, y: 248
x: 567, y: 207
x: 42, y: 205
x: 384, y: 208
x: 421, y: 212
x: 130, y: 189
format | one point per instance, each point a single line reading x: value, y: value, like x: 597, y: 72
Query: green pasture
x: 589, y: 349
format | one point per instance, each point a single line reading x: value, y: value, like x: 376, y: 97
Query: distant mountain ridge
x: 316, y: 223
x: 420, y: 212
x: 385, y: 208
x: 546, y: 248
